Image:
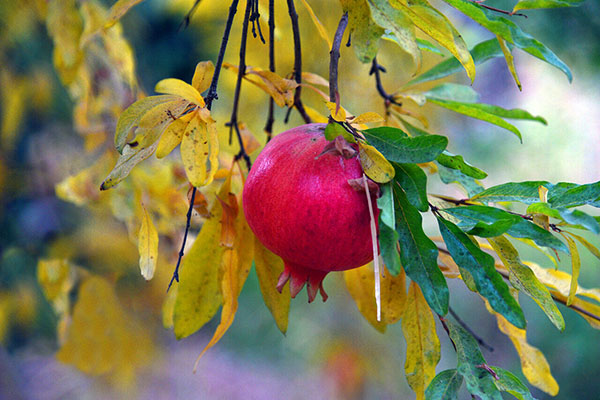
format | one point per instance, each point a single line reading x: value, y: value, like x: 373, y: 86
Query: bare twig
x: 270, y: 117
x: 509, y: 13
x: 334, y: 56
x: 233, y: 122
x: 297, y: 63
x: 212, y: 95
x: 186, y: 20
x: 376, y: 70
x: 255, y: 19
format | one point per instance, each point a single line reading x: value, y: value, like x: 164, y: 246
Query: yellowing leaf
x: 268, y: 268
x: 13, y: 108
x: 533, y: 363
x: 560, y: 281
x: 65, y: 26
x: 199, y: 145
x: 337, y: 112
x: 199, y: 294
x: 230, y: 212
x: 314, y: 79
x: 280, y: 89
x: 510, y: 62
x: 56, y: 278
x: 118, y: 10
x: 361, y: 285
x: 592, y: 249
x: 147, y: 246
x: 575, y: 265
x: 367, y: 117
x: 102, y: 339
x: 131, y: 157
x: 436, y: 25
x: 318, y: 24
x: 374, y: 164
x: 155, y: 121
x: 203, y: 75
x: 422, y: 343
x: 315, y: 115
x: 180, y: 88
x: 172, y: 136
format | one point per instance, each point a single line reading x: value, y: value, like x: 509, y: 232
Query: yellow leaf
x: 337, y: 112
x: 172, y: 135
x: 575, y: 267
x: 587, y: 245
x: 56, y: 278
x: 374, y: 164
x: 560, y: 281
x: 448, y: 266
x: 228, y: 218
x: 65, y: 26
x: 268, y: 268
x: 180, y: 88
x: 156, y: 120
x: 436, y: 25
x: 203, y: 75
x: 118, y: 10
x: 314, y: 79
x: 236, y: 264
x: 102, y: 338
x: 280, y: 89
x: 361, y: 285
x: 510, y: 62
x: 533, y: 363
x: 14, y: 105
x: 199, y: 294
x: 367, y: 117
x: 250, y: 142
x: 168, y: 307
x: 318, y: 24
x: 315, y: 115
x: 422, y: 343
x: 199, y: 145
x: 147, y: 246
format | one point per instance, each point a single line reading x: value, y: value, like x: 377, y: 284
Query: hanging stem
x: 233, y: 122
x: 376, y: 70
x: 334, y: 56
x: 271, y: 118
x: 297, y: 63
x: 210, y: 97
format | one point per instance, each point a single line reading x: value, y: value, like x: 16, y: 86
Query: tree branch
x: 210, y: 97
x: 334, y: 56
x: 270, y: 117
x: 376, y: 70
x: 297, y: 63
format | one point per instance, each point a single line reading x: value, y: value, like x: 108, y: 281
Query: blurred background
x: 330, y: 351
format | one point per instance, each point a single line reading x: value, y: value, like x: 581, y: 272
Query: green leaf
x: 385, y: 203
x: 481, y: 52
x: 447, y: 175
x: 478, y: 111
x: 418, y: 253
x: 481, y: 266
x: 439, y: 28
x: 396, y: 146
x: 470, y: 361
x: 510, y: 32
x: 453, y: 92
x: 333, y: 130
x: 388, y: 245
x: 523, y: 278
x: 543, y: 208
x: 457, y: 162
x: 131, y: 157
x: 592, y: 249
x: 508, y: 382
x: 427, y: 45
x: 413, y: 181
x: 577, y: 217
x: 365, y: 32
x: 444, y: 386
x: 535, y: 4
x: 133, y: 114
x: 564, y: 196
x: 524, y: 192
x: 488, y: 216
x: 413, y: 130
x: 396, y: 22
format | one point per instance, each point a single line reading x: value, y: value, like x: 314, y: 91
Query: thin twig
x: 509, y: 13
x: 255, y: 19
x: 334, y: 56
x: 462, y: 323
x: 233, y: 122
x: 376, y: 70
x: 211, y: 95
x: 297, y: 63
x: 270, y: 117
x: 186, y: 20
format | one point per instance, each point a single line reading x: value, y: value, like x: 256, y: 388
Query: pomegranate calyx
x: 339, y: 146
x: 299, y: 276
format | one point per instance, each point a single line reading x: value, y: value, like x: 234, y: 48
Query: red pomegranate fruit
x: 303, y: 202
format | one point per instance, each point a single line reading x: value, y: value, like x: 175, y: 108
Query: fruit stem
x: 270, y: 117
x: 297, y: 63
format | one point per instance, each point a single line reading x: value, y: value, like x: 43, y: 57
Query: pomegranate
x: 302, y: 201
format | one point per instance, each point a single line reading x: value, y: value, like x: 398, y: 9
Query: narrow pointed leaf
x: 508, y: 382
x: 575, y: 267
x: 385, y: 203
x: 481, y: 267
x: 510, y: 61
x: 535, y: 4
x: 422, y: 343
x: 388, y: 245
x: 444, y: 386
x: 457, y: 162
x: 578, y: 217
x: 592, y: 249
x: 131, y: 157
x: 524, y: 192
x: 418, y: 254
x: 147, y: 246
x: 396, y: 146
x: 479, y: 382
x: 571, y: 195
x: 413, y: 181
x: 454, y: 92
x: 523, y: 278
x: 469, y: 184
x: 180, y: 88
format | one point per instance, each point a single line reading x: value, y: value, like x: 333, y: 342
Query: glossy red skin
x: 302, y: 208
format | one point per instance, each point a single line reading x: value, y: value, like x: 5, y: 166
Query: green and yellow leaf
x: 180, y: 88
x: 147, y: 245
x: 374, y: 164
